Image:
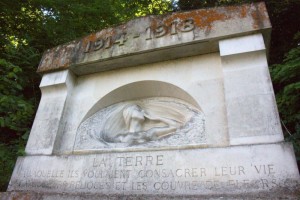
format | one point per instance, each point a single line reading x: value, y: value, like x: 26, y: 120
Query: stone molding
x: 157, y: 38
x: 56, y: 87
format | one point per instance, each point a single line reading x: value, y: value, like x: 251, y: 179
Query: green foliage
x: 148, y: 7
x: 289, y: 70
x: 63, y: 21
x: 18, y: 81
x: 8, y: 156
x: 295, y: 139
x: 7, y: 160
x: 16, y: 107
x: 17, y: 98
x: 286, y: 76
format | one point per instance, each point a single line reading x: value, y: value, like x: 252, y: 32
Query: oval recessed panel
x: 144, y: 123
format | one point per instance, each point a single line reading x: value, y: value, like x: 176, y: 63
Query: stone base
x: 278, y: 194
x: 229, y: 171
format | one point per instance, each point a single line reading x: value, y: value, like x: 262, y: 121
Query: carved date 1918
x: 150, y: 33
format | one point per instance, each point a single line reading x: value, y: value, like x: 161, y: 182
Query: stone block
x: 250, y: 103
x: 240, y: 45
x: 56, y: 87
x: 155, y: 39
x: 179, y: 106
x: 209, y: 171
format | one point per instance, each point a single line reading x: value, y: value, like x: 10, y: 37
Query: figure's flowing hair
x: 118, y: 120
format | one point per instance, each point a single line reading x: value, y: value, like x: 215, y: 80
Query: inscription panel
x: 106, y: 42
x: 206, y: 171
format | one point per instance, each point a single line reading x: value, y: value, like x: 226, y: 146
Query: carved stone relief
x: 151, y: 122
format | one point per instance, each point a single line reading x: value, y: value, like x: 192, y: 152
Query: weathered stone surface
x: 195, y: 118
x: 211, y: 171
x: 195, y: 80
x: 275, y: 194
x: 157, y: 38
x: 250, y: 102
x: 233, y: 91
x: 150, y: 122
x: 55, y: 89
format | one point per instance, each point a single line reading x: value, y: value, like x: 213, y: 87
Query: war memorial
x: 177, y: 106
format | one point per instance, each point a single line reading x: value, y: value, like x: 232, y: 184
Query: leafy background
x: 29, y: 27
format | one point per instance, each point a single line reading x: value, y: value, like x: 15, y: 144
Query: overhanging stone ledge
x: 158, y: 38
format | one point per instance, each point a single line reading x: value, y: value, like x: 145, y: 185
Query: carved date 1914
x: 150, y: 33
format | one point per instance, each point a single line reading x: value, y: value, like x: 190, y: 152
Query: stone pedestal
x: 180, y: 106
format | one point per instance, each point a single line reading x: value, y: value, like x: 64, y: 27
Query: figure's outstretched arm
x: 169, y: 122
x: 156, y: 132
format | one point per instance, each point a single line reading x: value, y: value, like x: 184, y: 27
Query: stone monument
x: 173, y: 106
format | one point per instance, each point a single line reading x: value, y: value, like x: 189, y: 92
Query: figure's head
x: 133, y: 117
